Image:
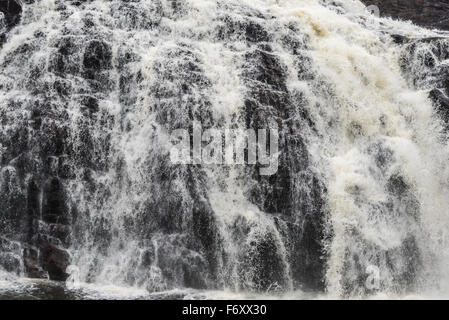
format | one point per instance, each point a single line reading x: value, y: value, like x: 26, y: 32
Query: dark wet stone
x: 97, y: 55
x: 139, y: 15
x: 428, y: 13
x: 10, y: 262
x: 399, y: 39
x: 441, y: 101
x: 79, y: 2
x: 89, y: 104
x: 55, y: 261
x: 300, y: 213
x: 54, y: 209
x: 263, y: 267
x: 12, y: 11
x: 66, y: 58
x: 247, y: 28
x: 397, y: 185
x: 180, y: 265
x: 13, y: 218
x: 430, y: 55
x: 33, y: 270
x: 61, y: 232
x: 31, y: 264
x: 33, y: 205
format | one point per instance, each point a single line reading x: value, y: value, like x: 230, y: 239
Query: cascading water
x: 90, y: 92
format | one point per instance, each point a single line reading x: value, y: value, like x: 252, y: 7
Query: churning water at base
x: 91, y: 90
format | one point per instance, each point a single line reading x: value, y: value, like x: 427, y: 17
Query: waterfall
x: 91, y: 93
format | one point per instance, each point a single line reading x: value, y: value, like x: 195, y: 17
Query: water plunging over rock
x: 90, y: 92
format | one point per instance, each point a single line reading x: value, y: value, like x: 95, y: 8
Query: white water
x: 362, y: 106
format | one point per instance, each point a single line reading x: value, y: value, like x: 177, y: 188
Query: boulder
x: 55, y: 261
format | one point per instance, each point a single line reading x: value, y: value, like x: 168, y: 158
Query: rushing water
x: 90, y: 92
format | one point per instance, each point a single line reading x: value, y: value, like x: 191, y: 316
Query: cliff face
x: 428, y: 13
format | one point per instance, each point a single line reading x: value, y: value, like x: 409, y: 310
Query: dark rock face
x: 427, y: 13
x: 11, y: 10
x: 268, y: 102
x: 55, y: 261
x: 34, y: 216
x: 423, y: 61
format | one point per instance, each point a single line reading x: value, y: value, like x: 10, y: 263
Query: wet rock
x: 10, y: 14
x: 266, y: 68
x: 441, y: 101
x: 401, y: 263
x: 399, y: 39
x: 304, y: 236
x: 175, y: 9
x: 424, y: 63
x: 33, y: 269
x: 10, y: 262
x: 54, y: 208
x: 11, y: 10
x: 66, y: 59
x: 178, y: 105
x: 247, y: 28
x: 428, y: 13
x: 61, y: 232
x: 55, y: 261
x: 31, y: 263
x: 13, y: 219
x: 79, y: 2
x: 299, y: 213
x: 397, y: 185
x: 9, y: 245
x: 97, y: 56
x: 206, y: 231
x: 10, y: 255
x: 263, y: 267
x: 89, y: 104
x: 33, y: 205
x: 138, y: 14
x: 181, y: 266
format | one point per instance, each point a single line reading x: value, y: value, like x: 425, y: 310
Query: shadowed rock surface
x: 10, y: 11
x: 427, y: 13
